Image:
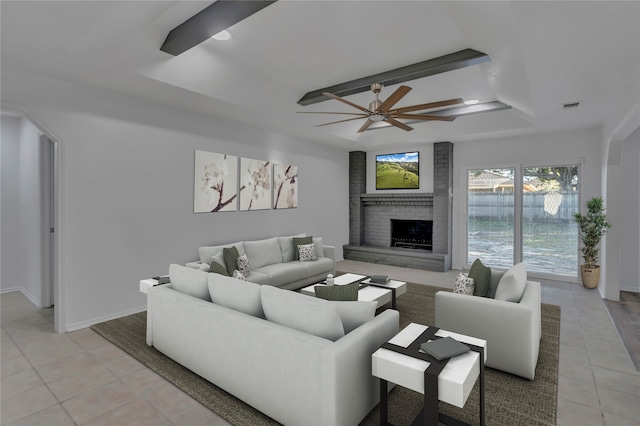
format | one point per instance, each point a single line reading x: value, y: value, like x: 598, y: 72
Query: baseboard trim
x: 630, y: 289
x: 89, y: 323
x: 26, y: 294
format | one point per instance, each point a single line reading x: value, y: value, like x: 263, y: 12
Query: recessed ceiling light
x: 223, y: 35
x: 471, y: 102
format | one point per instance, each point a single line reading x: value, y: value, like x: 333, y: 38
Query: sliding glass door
x: 524, y: 214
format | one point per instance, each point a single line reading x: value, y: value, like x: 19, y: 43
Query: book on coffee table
x: 444, y: 348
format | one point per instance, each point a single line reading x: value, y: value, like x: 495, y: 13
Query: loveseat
x: 512, y: 329
x: 283, y: 353
x: 273, y: 261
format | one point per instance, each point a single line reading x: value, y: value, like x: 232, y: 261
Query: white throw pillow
x: 464, y: 285
x: 512, y: 284
x: 308, y: 314
x: 307, y: 252
x: 243, y: 265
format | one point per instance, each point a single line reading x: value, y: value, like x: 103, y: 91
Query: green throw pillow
x: 343, y: 293
x: 301, y: 241
x: 231, y: 256
x: 217, y: 268
x: 482, y: 278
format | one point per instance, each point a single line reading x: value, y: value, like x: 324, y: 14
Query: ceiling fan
x: 381, y: 111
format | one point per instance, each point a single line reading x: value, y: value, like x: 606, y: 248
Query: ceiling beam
x: 452, y: 61
x: 210, y: 21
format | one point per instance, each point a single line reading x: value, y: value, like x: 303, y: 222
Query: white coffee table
x: 381, y: 293
x: 454, y: 382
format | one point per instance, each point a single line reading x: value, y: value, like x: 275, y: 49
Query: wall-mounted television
x: 398, y: 171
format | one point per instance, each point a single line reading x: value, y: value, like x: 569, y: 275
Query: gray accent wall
x: 126, y: 191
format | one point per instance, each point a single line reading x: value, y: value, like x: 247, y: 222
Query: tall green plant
x: 592, y: 227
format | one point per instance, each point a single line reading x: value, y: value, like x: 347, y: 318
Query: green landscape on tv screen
x: 398, y: 171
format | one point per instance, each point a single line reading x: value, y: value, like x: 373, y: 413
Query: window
x: 524, y: 214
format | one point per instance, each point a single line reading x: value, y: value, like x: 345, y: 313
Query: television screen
x: 398, y: 171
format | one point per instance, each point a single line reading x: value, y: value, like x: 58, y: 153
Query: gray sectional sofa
x: 273, y: 261
x: 298, y: 359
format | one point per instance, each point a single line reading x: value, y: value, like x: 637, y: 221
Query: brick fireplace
x: 423, y: 218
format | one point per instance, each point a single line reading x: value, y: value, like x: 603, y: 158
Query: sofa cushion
x: 189, y: 281
x: 282, y: 273
x: 259, y: 278
x: 263, y: 252
x: 464, y: 285
x: 308, y: 314
x: 481, y: 277
x: 298, y: 241
x: 348, y: 292
x: 512, y: 284
x: 322, y: 265
x: 307, y: 252
x: 287, y: 248
x: 206, y: 253
x: 231, y: 256
x: 317, y: 241
x: 234, y: 294
x: 354, y: 314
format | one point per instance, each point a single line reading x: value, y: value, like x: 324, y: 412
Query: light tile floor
x: 81, y: 378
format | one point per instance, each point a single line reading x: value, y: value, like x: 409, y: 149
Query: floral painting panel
x: 285, y: 186
x: 215, y: 182
x: 255, y: 184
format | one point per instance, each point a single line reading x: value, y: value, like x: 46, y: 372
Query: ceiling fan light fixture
x: 471, y: 102
x: 377, y: 117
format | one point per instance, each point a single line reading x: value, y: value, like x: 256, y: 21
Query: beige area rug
x: 509, y: 400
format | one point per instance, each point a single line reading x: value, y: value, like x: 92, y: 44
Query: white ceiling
x: 543, y: 54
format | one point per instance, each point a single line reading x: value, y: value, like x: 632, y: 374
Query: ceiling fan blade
x: 340, y: 121
x: 393, y: 99
x: 338, y: 98
x: 365, y: 126
x: 423, y: 117
x: 398, y: 124
x: 323, y: 112
x: 426, y: 106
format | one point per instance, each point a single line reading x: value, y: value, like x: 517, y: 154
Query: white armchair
x: 512, y: 330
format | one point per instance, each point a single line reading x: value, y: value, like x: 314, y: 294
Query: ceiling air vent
x: 570, y: 105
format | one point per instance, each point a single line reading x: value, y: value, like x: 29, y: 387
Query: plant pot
x: 590, y: 276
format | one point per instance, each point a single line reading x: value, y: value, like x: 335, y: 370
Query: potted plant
x: 592, y: 227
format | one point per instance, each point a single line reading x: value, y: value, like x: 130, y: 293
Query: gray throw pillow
x: 481, y: 277
x: 239, y: 296
x: 348, y: 292
x: 231, y: 256
x: 216, y: 268
x: 512, y: 284
x: 300, y: 242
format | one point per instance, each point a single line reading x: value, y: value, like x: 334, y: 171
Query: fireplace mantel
x: 415, y: 199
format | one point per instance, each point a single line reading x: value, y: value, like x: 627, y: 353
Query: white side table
x: 145, y: 285
x: 451, y: 382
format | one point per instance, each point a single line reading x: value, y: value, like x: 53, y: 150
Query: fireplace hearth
x: 412, y: 234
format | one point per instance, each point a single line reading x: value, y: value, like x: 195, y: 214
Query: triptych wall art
x: 219, y: 185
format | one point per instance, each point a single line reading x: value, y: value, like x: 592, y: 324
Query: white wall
x: 629, y: 214
x: 575, y: 146
x: 10, y: 213
x: 126, y: 191
x: 21, y: 209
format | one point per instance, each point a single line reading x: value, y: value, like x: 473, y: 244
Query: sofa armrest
x: 347, y: 370
x: 510, y: 329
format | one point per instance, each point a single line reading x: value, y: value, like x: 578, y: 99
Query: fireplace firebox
x: 412, y: 234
